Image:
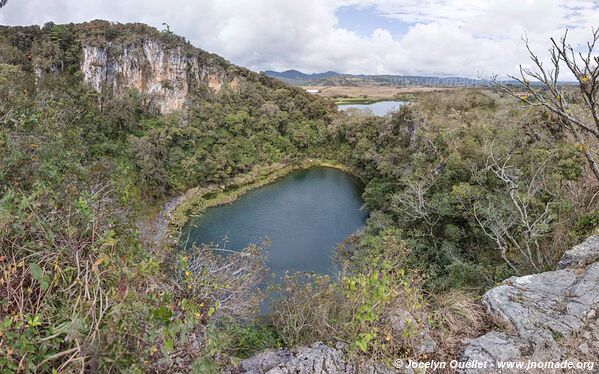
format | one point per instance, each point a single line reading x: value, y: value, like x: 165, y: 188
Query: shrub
x: 355, y: 309
x: 230, y: 338
x: 455, y: 316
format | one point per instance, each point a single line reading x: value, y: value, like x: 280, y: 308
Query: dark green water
x: 305, y: 215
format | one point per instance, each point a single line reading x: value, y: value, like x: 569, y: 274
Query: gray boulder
x: 540, y: 313
x: 315, y: 359
x: 264, y: 361
x: 581, y: 255
x: 418, y: 334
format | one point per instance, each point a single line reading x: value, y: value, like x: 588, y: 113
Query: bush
x: 355, y: 309
x: 455, y: 316
x: 231, y: 338
x: 308, y: 308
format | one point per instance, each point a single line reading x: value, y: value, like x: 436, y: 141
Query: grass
x: 366, y: 100
x: 373, y: 93
x: 357, y: 100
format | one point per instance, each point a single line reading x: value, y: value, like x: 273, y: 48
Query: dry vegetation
x: 455, y: 317
x: 80, y: 292
x: 373, y: 92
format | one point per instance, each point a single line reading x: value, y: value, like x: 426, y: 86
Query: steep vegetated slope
x: 91, y: 139
x: 102, y: 123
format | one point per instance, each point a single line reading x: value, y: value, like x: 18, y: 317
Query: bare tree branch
x: 550, y: 94
x: 514, y: 218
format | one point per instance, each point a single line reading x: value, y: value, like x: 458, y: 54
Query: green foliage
x: 370, y: 293
x: 85, y: 285
x: 586, y: 225
x: 434, y: 183
x: 75, y: 275
x: 241, y: 340
x: 204, y: 365
x: 79, y: 290
x: 354, y: 309
x: 38, y: 275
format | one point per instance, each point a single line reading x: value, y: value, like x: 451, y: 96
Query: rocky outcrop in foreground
x: 547, y: 317
x: 317, y: 358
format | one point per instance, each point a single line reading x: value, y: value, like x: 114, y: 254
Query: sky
x: 466, y: 38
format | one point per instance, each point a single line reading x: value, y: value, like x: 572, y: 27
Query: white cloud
x: 445, y: 37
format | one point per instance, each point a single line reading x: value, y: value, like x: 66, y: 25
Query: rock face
x: 166, y: 73
x: 320, y: 358
x: 549, y: 320
x: 546, y: 317
x: 265, y: 361
x: 317, y: 358
x: 581, y: 255
x: 420, y: 339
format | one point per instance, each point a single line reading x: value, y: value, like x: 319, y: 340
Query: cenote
x: 379, y: 108
x: 304, y: 215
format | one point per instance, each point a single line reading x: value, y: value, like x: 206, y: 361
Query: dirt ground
x: 373, y: 92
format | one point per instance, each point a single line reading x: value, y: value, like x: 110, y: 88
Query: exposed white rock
x: 583, y: 254
x: 94, y: 66
x: 265, y: 361
x: 315, y: 359
x: 541, y: 313
x: 167, y: 74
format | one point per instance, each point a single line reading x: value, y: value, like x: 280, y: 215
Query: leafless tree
x: 412, y: 204
x: 580, y: 119
x: 3, y: 3
x: 515, y: 223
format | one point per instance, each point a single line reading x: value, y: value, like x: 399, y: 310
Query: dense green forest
x: 447, y: 181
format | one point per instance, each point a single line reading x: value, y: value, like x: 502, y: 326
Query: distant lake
x: 379, y: 108
x: 304, y: 215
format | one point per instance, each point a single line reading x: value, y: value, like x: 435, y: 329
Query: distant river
x: 379, y: 108
x: 305, y: 215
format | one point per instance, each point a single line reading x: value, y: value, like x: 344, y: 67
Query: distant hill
x: 331, y: 78
x: 298, y: 78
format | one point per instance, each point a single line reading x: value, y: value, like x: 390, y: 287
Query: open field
x: 373, y: 92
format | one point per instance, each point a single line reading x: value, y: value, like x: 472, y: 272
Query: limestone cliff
x: 165, y: 73
x: 114, y: 58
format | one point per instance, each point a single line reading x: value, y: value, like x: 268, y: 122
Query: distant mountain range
x: 291, y: 76
x: 331, y: 78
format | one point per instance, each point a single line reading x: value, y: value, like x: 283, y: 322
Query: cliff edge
x: 544, y: 318
x: 549, y: 317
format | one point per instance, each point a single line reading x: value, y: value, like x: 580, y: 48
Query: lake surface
x: 304, y: 215
x: 380, y: 108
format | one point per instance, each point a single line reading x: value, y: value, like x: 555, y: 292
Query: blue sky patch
x: 364, y: 20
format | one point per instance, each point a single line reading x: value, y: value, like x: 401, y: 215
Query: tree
x: 519, y: 216
x: 3, y: 3
x: 580, y: 118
